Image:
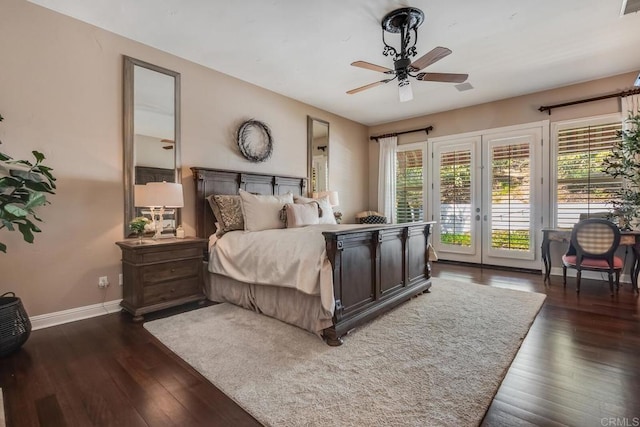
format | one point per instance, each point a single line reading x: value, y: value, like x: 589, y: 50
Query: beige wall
x: 61, y: 94
x: 507, y: 112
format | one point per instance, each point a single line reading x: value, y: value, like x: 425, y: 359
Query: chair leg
x: 611, y: 282
x: 564, y: 276
x: 578, y: 277
x: 617, y: 280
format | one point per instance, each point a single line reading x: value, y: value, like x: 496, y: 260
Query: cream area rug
x: 436, y: 360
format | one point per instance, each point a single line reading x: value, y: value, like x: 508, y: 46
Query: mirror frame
x: 129, y: 135
x: 310, y: 121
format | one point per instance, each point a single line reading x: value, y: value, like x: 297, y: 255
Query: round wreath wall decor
x: 255, y: 141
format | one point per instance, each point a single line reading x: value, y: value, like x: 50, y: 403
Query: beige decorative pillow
x: 228, y: 212
x: 262, y: 212
x: 301, y: 215
x: 327, y: 212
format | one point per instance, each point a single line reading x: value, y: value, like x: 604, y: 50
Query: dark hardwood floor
x: 579, y: 365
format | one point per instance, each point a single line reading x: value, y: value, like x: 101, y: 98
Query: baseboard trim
x: 79, y: 313
x: 557, y: 271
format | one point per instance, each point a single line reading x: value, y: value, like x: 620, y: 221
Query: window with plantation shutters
x: 582, y: 187
x: 455, y: 197
x: 409, y: 185
x: 511, y: 196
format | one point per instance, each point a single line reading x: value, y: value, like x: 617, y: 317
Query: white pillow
x: 327, y: 212
x: 262, y: 212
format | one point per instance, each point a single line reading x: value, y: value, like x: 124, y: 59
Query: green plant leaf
x: 38, y: 155
x: 27, y: 235
x: 3, y: 247
x: 26, y: 175
x: 38, y: 186
x: 36, y: 199
x: 21, y: 162
x: 7, y: 182
x: 16, y: 211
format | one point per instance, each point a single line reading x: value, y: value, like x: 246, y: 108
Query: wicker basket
x: 15, y: 326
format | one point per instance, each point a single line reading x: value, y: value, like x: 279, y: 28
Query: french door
x: 486, y: 197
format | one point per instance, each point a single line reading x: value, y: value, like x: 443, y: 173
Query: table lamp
x: 158, y: 195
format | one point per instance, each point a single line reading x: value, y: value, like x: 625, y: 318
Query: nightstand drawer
x: 165, y: 255
x: 151, y: 274
x: 171, y: 290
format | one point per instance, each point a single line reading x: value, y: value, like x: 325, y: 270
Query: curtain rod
x: 597, y: 98
x: 386, y: 135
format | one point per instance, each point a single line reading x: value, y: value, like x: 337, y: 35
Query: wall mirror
x: 318, y: 154
x: 151, y: 133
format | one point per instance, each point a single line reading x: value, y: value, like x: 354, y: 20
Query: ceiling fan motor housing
x: 402, y: 67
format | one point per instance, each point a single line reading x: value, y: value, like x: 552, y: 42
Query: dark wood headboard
x: 220, y: 181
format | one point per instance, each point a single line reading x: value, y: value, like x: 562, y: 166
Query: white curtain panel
x: 387, y: 177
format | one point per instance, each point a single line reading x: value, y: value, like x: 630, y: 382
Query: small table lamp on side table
x: 159, y: 195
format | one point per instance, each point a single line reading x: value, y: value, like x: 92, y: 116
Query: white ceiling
x: 303, y: 48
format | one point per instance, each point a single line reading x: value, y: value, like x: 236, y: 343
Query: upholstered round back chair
x: 593, y: 245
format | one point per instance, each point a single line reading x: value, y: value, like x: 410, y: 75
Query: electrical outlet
x: 120, y: 279
x: 103, y: 281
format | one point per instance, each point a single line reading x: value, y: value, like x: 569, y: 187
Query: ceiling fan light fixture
x: 405, y: 22
x: 404, y: 90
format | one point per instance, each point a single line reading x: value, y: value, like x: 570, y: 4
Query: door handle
x: 477, y: 217
x: 485, y: 217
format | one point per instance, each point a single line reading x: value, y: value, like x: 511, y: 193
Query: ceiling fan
x: 406, y: 22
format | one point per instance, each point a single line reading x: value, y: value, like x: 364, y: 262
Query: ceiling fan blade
x: 372, y: 67
x: 435, y: 55
x: 442, y: 77
x: 369, y: 86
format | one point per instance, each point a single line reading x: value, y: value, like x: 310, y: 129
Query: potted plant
x: 624, y: 162
x: 23, y: 188
x: 139, y: 225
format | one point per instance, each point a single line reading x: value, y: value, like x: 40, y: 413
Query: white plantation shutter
x: 582, y: 187
x: 409, y: 186
x: 455, y: 197
x: 511, y: 197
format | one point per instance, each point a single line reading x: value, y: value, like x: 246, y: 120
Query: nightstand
x: 159, y: 274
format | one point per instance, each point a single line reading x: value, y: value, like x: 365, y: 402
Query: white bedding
x: 292, y: 258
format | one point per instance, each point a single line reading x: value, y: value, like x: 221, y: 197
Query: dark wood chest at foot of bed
x: 375, y: 270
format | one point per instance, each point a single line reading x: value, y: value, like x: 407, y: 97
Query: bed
x: 371, y: 268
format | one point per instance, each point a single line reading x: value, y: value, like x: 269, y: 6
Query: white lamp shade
x: 141, y: 196
x: 159, y: 194
x: 333, y: 197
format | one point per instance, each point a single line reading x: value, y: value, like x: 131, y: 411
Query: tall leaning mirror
x: 151, y: 133
x: 318, y: 154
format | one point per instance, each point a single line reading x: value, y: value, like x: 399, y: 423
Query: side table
x: 159, y: 274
